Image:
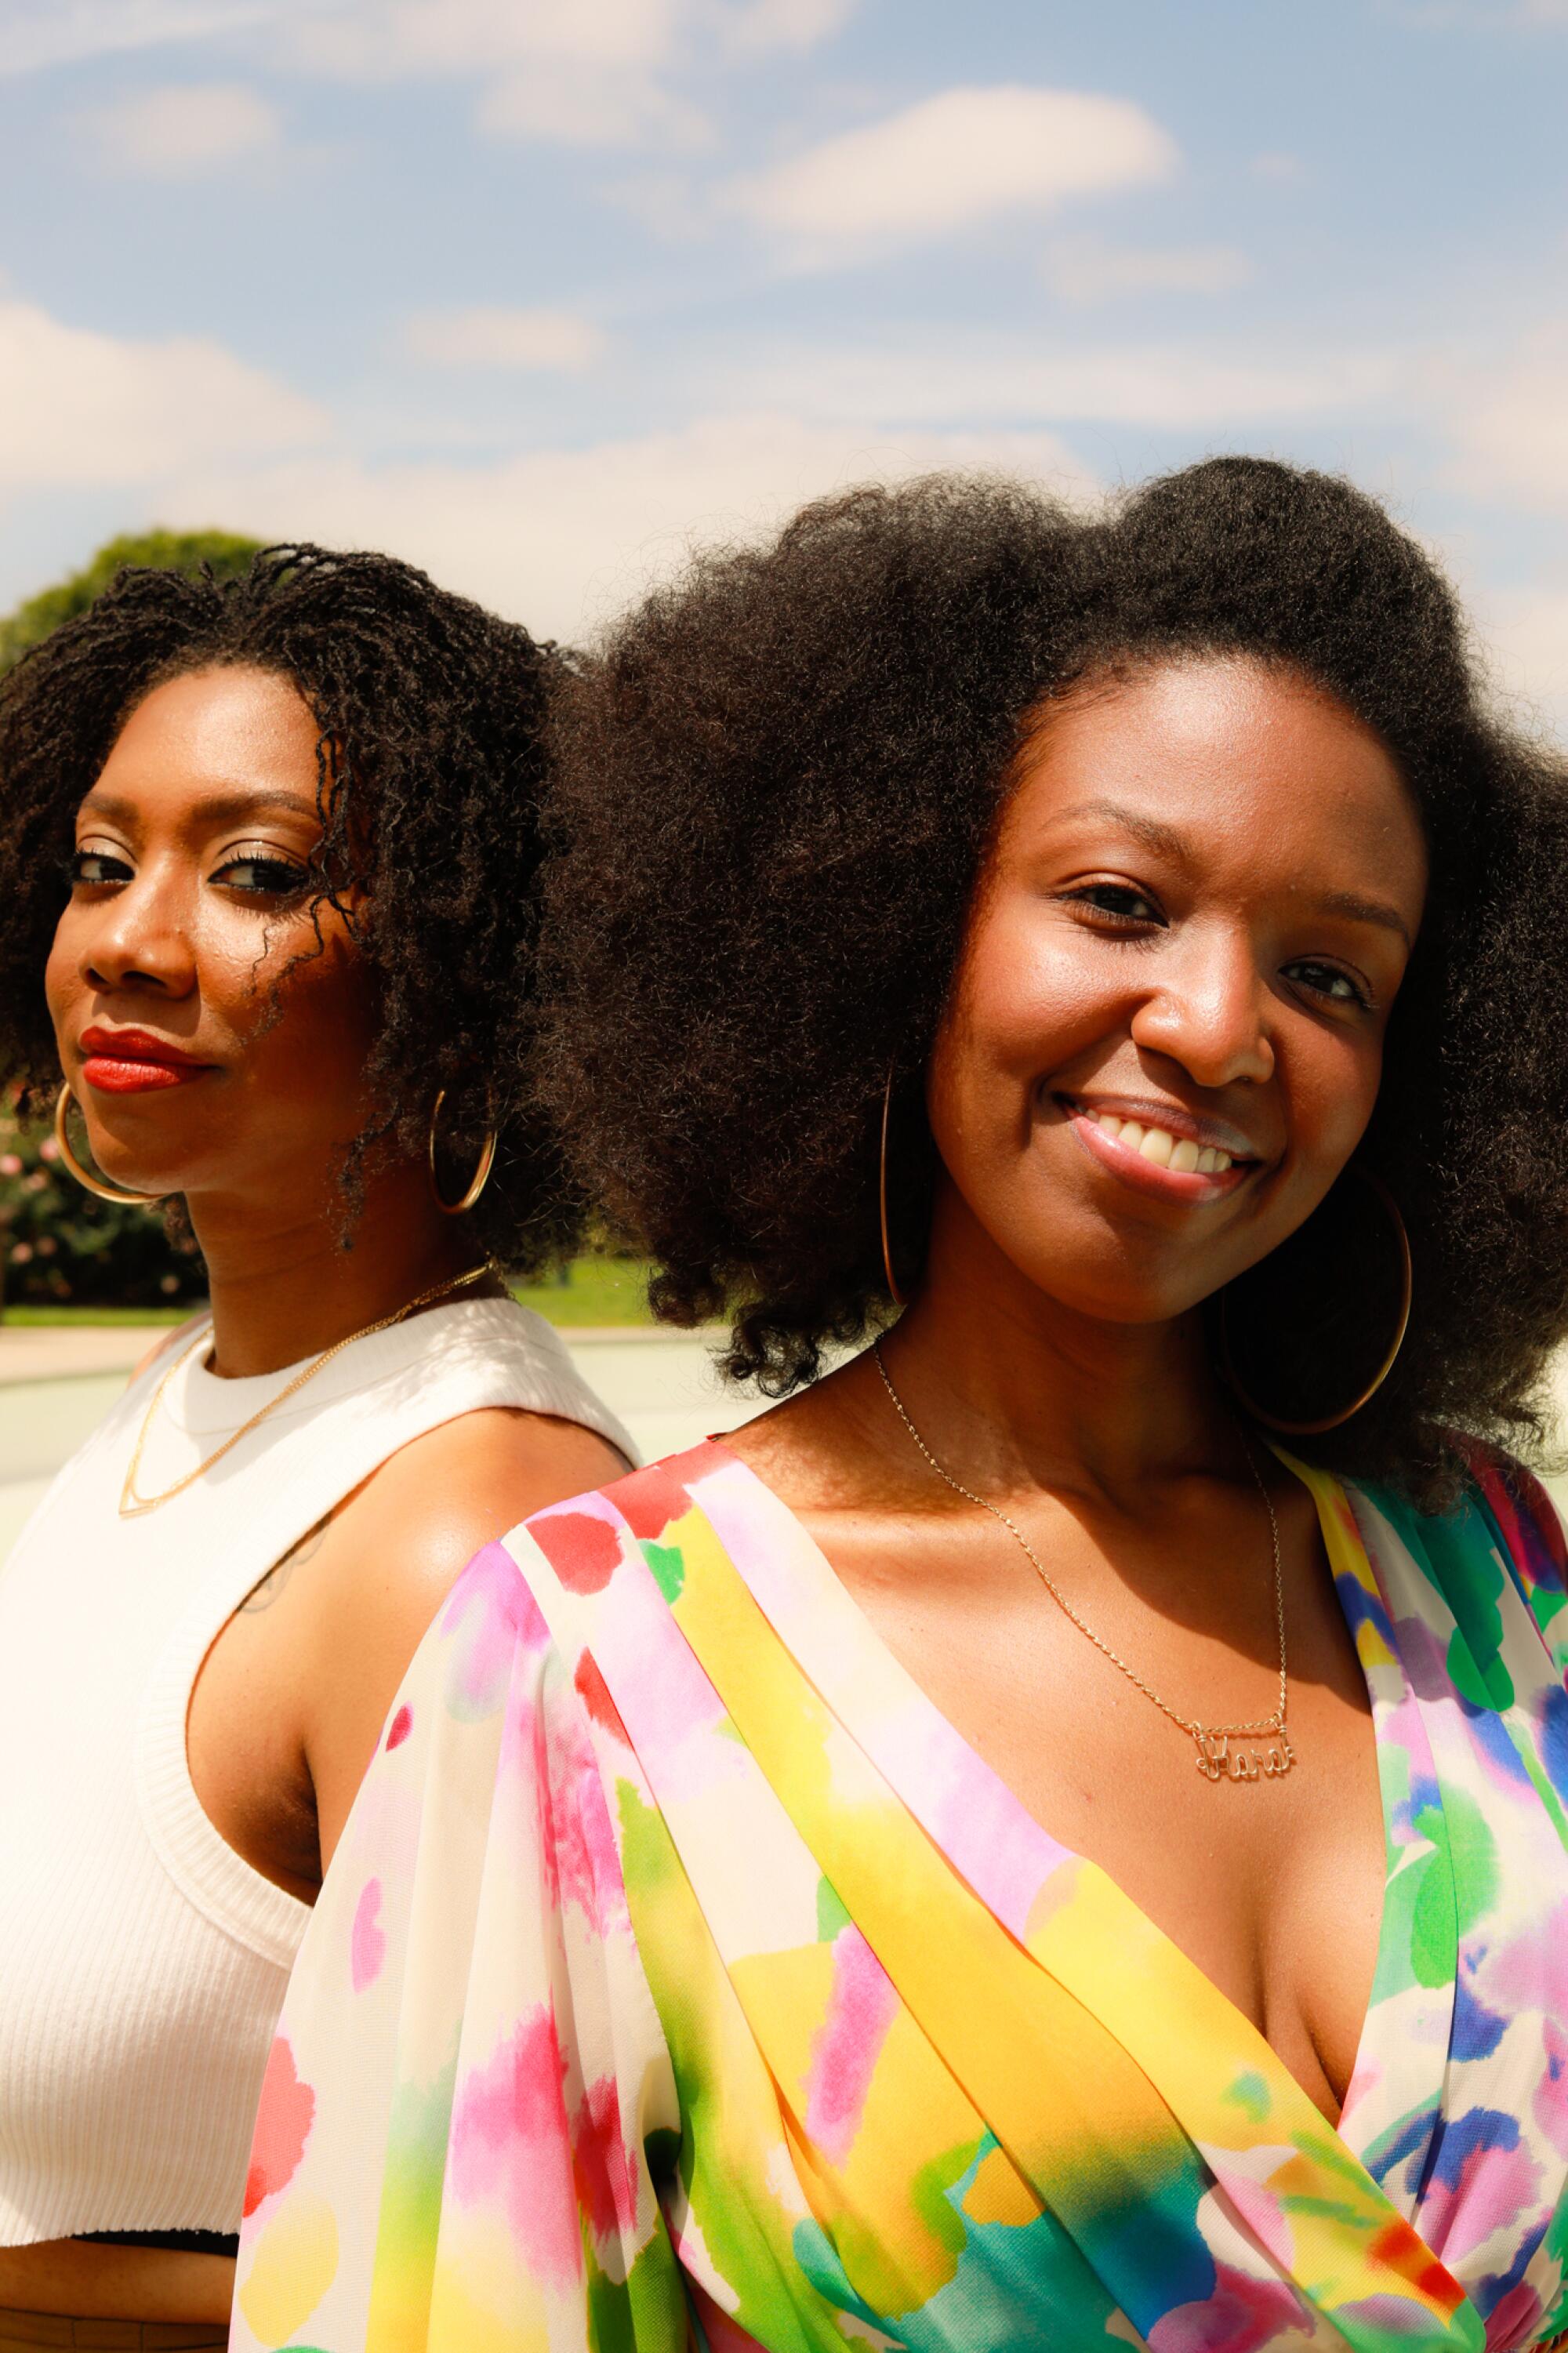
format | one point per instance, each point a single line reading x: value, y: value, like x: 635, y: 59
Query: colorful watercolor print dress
x: 685, y: 1981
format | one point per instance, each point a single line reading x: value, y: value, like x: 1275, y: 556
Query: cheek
x: 1029, y: 996
x: 63, y: 974
x: 1331, y: 1097
x: 306, y: 1010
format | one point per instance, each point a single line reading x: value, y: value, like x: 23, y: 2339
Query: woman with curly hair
x: 268, y: 857
x: 1056, y: 1834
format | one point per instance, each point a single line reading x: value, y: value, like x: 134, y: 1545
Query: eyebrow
x: 1365, y: 911
x: 219, y: 808
x: 1149, y: 830
x: 1155, y: 834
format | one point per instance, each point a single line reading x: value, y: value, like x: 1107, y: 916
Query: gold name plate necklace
x: 1264, y: 1752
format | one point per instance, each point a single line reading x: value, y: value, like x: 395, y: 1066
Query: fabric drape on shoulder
x: 470, y: 2082
x: 684, y: 1980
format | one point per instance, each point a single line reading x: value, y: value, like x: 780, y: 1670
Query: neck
x: 1024, y: 1392
x: 283, y: 1287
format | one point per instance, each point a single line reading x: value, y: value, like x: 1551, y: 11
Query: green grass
x: 22, y: 1318
x: 596, y: 1291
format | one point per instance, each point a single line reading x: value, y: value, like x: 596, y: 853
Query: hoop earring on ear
x: 85, y: 1177
x: 481, y: 1176
x: 1315, y: 1426
x: 894, y: 1293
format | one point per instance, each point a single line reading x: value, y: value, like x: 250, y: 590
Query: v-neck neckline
x: 997, y: 1844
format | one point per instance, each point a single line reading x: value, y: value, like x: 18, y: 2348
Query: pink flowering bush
x: 60, y: 1246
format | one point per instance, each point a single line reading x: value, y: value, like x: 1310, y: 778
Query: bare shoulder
x: 820, y: 1449
x: 413, y: 1527
x: 396, y: 1548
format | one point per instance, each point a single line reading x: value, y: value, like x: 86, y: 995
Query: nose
x: 1209, y: 1011
x: 140, y: 941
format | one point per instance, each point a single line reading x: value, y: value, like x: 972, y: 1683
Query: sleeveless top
x: 143, y: 1963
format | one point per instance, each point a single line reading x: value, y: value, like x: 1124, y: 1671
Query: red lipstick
x: 135, y: 1063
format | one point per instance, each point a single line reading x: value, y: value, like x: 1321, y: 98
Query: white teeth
x: 1158, y: 1145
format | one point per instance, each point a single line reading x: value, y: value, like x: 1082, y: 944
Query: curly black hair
x: 430, y: 766
x: 774, y: 792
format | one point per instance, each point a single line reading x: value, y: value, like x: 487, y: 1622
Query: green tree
x: 169, y: 550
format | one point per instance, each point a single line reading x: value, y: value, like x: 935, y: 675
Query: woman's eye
x: 262, y: 875
x: 1119, y: 900
x: 98, y: 866
x: 1328, y: 980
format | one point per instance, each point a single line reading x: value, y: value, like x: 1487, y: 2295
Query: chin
x: 1116, y: 1293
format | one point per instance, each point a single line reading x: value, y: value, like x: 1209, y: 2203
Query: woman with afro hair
x: 1055, y: 1834
x: 268, y: 865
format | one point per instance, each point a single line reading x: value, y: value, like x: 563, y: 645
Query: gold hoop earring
x: 1312, y: 1426
x: 476, y: 1182
x: 894, y: 1293
x: 85, y: 1177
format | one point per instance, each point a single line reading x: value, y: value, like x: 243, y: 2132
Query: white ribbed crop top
x: 142, y: 1962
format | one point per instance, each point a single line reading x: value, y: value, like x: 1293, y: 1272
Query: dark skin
x: 1199, y: 902
x: 186, y: 911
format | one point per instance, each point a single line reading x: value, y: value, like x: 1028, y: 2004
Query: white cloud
x: 578, y: 106
x: 1510, y: 423
x: 561, y: 538
x: 1523, y: 633
x: 583, y: 75
x: 491, y: 337
x: 954, y: 160
x: 38, y: 32
x: 991, y: 378
x: 80, y: 407
x: 757, y: 25
x: 185, y: 130
x: 1084, y: 271
x: 380, y: 40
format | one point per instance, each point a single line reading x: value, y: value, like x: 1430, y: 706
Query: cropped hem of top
x: 748, y: 2006
x: 142, y: 1961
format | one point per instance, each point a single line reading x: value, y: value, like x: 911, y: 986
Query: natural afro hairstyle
x: 775, y: 792
x: 430, y: 764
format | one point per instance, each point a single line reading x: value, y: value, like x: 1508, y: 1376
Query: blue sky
x: 538, y: 291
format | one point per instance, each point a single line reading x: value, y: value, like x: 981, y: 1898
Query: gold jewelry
x: 85, y: 1178
x: 481, y: 1176
x: 1216, y: 1759
x: 894, y: 1293
x: 132, y: 1506
x: 1315, y: 1426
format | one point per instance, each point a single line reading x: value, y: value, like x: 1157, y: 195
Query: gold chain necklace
x: 1216, y: 1759
x: 131, y: 1504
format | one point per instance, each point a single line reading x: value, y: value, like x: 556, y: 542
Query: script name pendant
x: 1218, y: 1761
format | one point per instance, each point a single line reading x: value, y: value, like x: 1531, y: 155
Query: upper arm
x: 465, y: 2016
x: 1533, y: 1544
x: 399, y: 1545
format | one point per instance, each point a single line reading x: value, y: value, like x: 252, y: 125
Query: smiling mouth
x: 1155, y: 1159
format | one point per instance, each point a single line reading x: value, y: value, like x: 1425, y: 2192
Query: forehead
x: 1252, y: 766
x: 229, y: 729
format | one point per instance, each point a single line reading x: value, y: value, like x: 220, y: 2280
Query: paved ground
x: 55, y: 1385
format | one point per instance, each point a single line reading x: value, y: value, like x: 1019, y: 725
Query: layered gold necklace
x: 1265, y: 1753
x: 132, y: 1504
